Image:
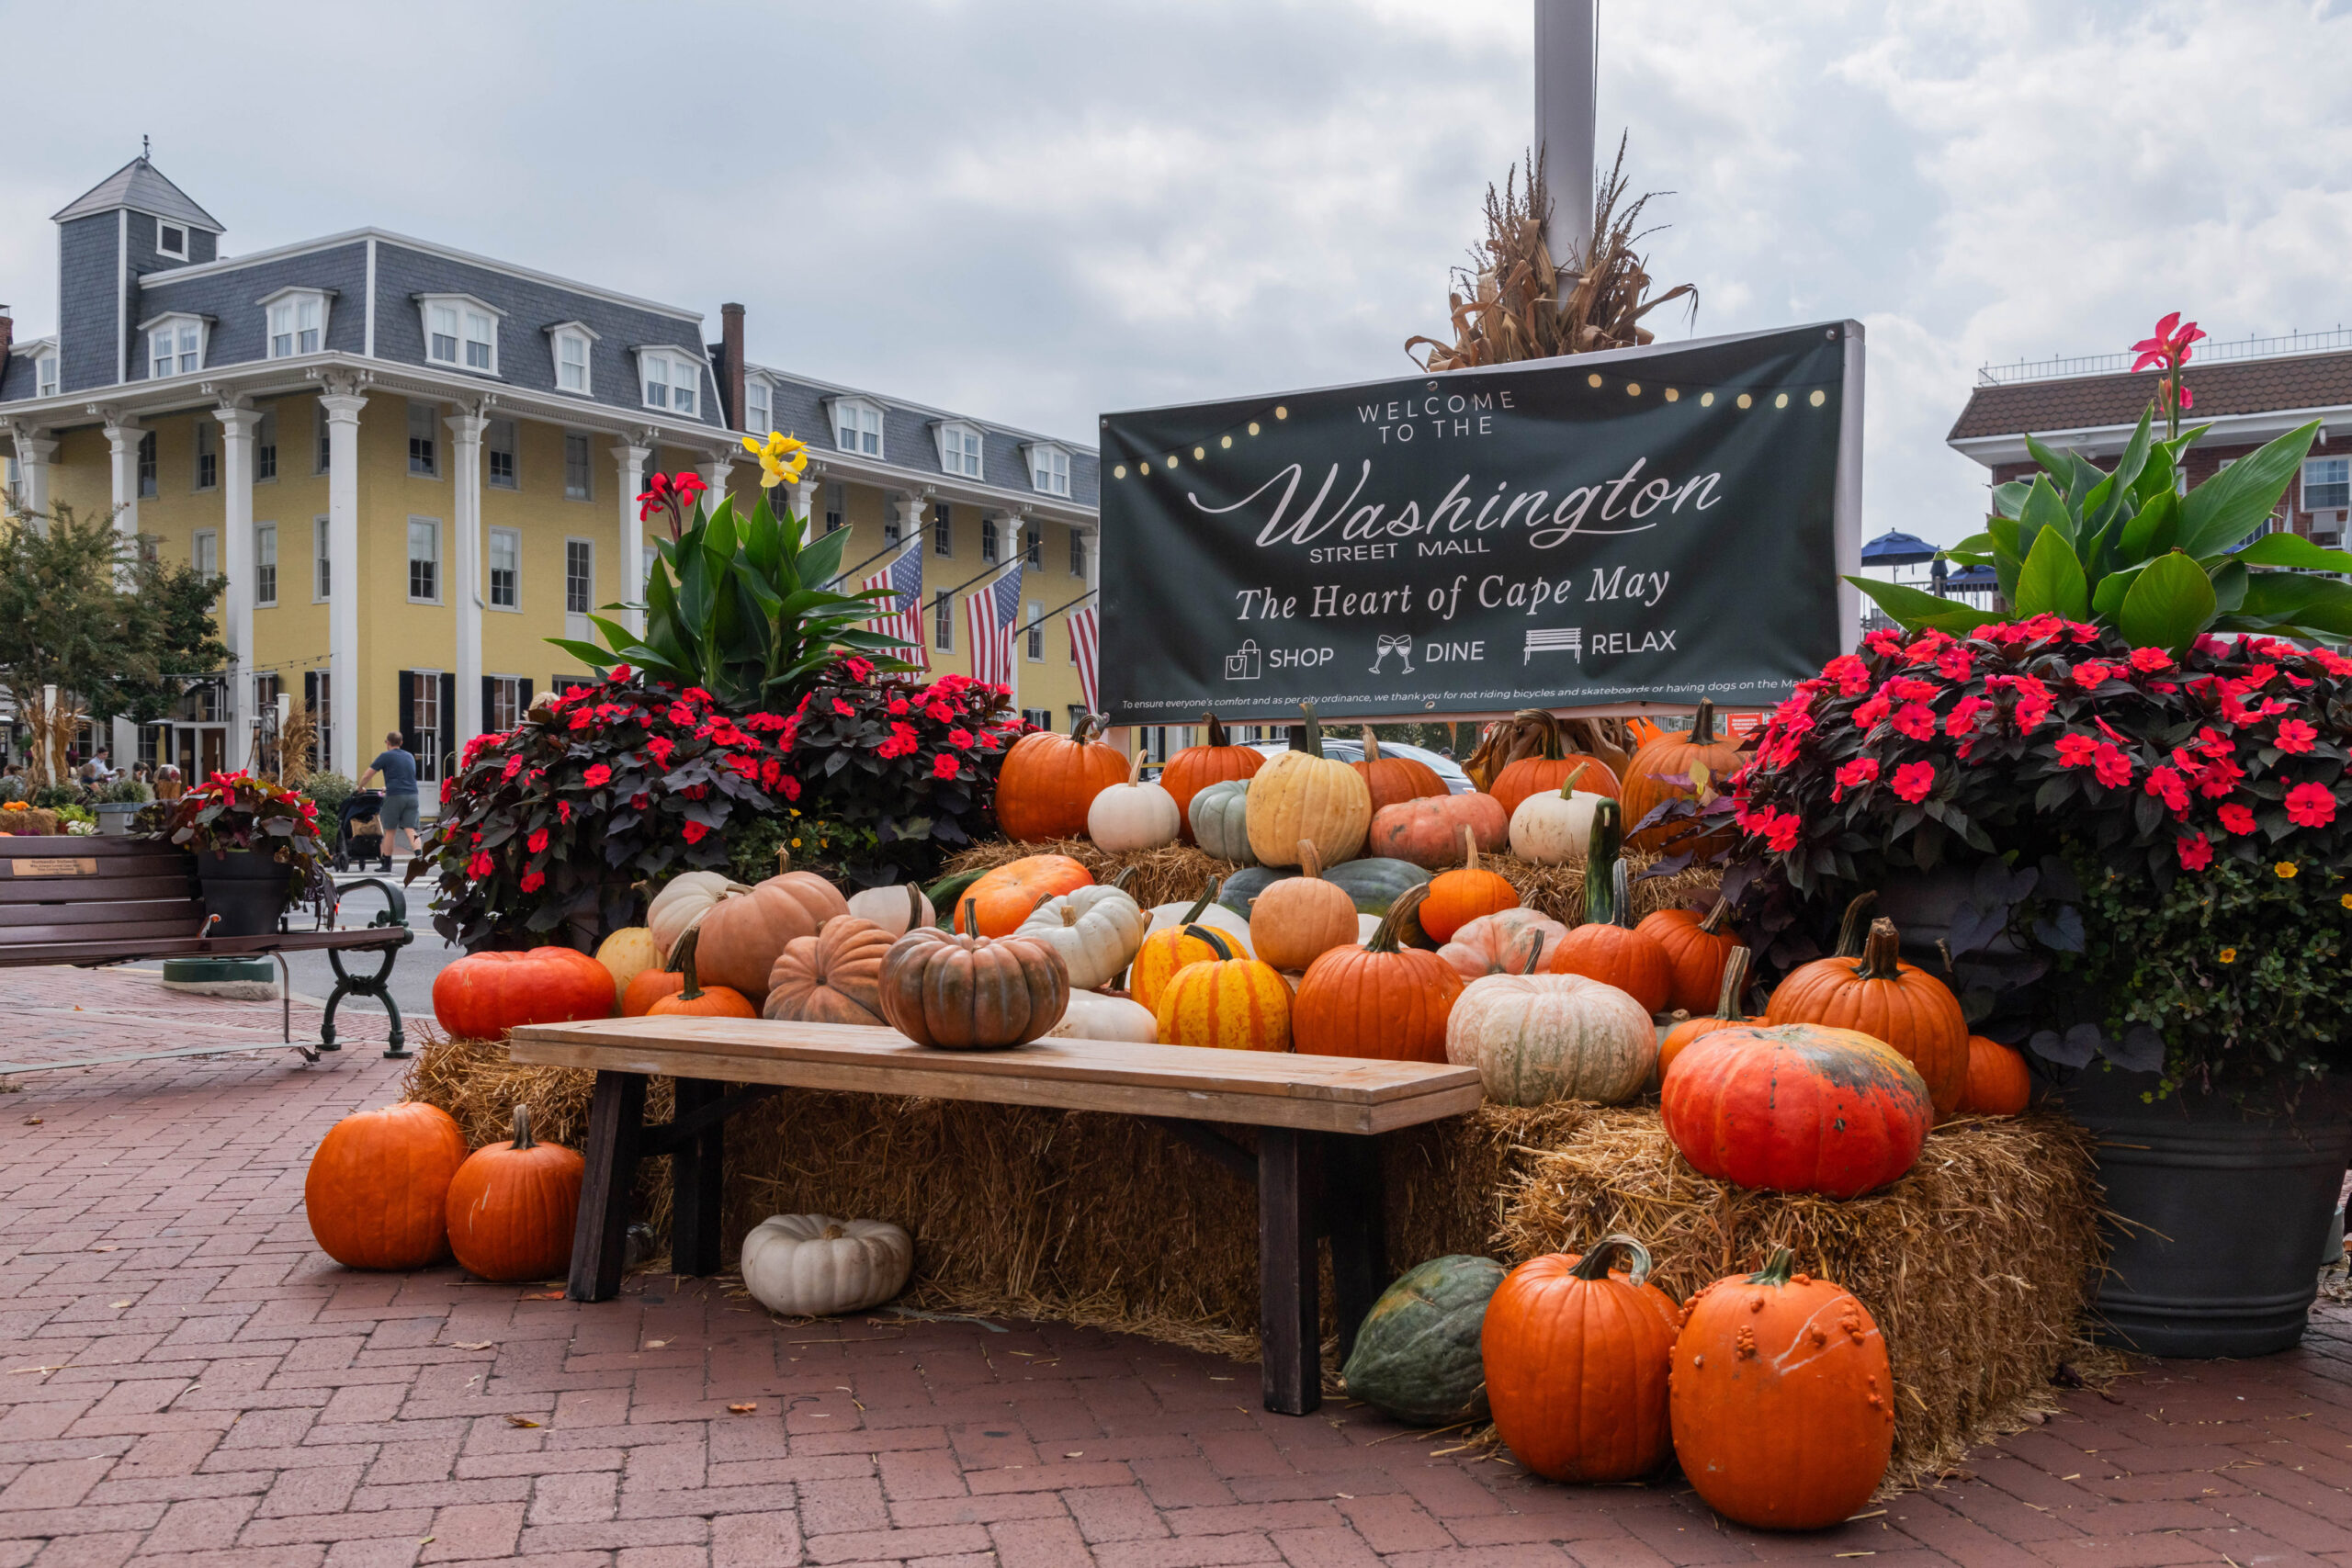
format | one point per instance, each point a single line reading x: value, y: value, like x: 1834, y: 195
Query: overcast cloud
x: 1037, y: 211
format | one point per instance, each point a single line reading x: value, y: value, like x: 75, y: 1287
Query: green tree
x: 79, y: 611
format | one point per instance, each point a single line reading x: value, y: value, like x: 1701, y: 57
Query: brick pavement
x: 183, y: 1378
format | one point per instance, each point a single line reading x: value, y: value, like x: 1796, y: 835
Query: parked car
x: 1351, y: 750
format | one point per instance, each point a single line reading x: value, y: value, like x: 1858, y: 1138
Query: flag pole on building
x: 1567, y: 58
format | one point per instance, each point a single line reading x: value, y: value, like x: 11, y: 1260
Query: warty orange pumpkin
x: 1674, y: 756
x: 1230, y: 1002
x: 1696, y: 946
x: 376, y: 1190
x: 1606, y: 947
x: 1576, y: 1359
x: 1216, y: 760
x: 511, y: 1207
x: 968, y: 993
x: 1886, y: 1000
x: 1047, y: 781
x: 1378, y: 1000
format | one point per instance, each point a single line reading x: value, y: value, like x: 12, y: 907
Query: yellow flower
x: 2346, y: 900
x: 2229, y: 955
x: 781, y: 457
x: 2284, y: 868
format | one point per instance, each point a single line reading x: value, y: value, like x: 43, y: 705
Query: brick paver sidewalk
x: 183, y: 1378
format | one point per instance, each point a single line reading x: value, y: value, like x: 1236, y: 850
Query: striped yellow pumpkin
x: 1236, y: 1004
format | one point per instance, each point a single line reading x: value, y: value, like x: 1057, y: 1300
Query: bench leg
x: 697, y: 1167
x: 378, y: 986
x: 1289, y: 1341
x: 1355, y: 1210
x: 600, y: 1235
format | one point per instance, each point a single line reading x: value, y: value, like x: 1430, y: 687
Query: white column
x: 909, y: 516
x: 342, y: 404
x: 465, y: 576
x: 630, y: 461
x: 714, y: 474
x: 237, y: 427
x: 36, y: 452
x: 122, y: 442
x: 803, y: 502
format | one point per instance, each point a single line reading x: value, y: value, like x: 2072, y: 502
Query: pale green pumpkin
x: 1416, y: 1358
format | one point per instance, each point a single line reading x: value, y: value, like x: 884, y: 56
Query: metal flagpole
x: 1568, y: 55
x: 1057, y: 610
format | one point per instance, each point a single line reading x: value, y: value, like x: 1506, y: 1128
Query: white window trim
x: 440, y: 563
x: 955, y: 430
x: 488, y: 603
x: 587, y: 334
x: 512, y: 486
x: 677, y: 362
x: 590, y: 472
x: 833, y: 410
x: 1029, y: 453
x: 765, y: 383
x: 321, y: 548
x: 154, y: 324
x: 2303, y: 485
x: 325, y: 298
x: 278, y: 567
x: 45, y: 381
x: 460, y: 303
x: 180, y: 254
x: 196, y: 555
x: 570, y: 541
x: 1032, y: 634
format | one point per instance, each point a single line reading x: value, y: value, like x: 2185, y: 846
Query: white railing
x: 2202, y: 354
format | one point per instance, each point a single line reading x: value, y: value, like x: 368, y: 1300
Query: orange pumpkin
x: 1166, y: 950
x: 1796, y: 1109
x: 1393, y: 779
x: 1427, y: 832
x: 376, y: 1189
x: 1728, y: 1000
x: 1887, y: 1000
x: 1998, y: 1082
x: 1458, y: 897
x: 1378, y: 1000
x: 1296, y: 920
x: 1003, y: 898
x: 1696, y: 946
x: 483, y: 995
x: 1576, y: 1359
x: 1545, y: 772
x: 650, y: 986
x: 1227, y: 1002
x: 1607, y: 947
x: 694, y: 999
x: 968, y: 993
x: 744, y: 932
x: 834, y: 977
x: 511, y: 1207
x: 1671, y: 756
x: 1783, y: 1399
x: 1196, y: 768
x: 1047, y: 781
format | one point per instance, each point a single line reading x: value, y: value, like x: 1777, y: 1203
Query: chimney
x: 8, y: 337
x: 730, y: 335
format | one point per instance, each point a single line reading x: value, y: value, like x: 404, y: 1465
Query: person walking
x: 400, y: 816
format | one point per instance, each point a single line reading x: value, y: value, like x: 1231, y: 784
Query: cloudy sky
x: 1039, y: 210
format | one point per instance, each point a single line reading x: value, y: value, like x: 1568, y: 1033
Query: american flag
x: 991, y: 614
x: 1085, y: 645
x: 903, y: 577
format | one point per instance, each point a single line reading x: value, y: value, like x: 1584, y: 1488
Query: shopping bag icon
x: 1242, y: 663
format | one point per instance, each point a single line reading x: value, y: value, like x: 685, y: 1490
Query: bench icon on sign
x: 1570, y: 640
x: 1242, y: 663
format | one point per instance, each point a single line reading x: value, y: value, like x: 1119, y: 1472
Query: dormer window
x: 175, y: 346
x: 959, y: 449
x: 297, y: 321
x: 461, y: 331
x: 45, y: 375
x: 759, y: 405
x: 570, y: 342
x: 171, y: 240
x: 1049, y: 470
x: 857, y: 426
x: 672, y: 380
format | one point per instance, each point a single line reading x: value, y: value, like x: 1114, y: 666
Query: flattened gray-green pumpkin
x: 1416, y: 1357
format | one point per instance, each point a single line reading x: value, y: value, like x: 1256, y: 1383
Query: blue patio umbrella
x: 1892, y: 548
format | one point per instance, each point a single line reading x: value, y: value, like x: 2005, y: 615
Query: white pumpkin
x: 1536, y: 1038
x: 683, y: 900
x: 812, y: 1265
x: 1203, y: 911
x: 1096, y: 928
x: 1366, y: 927
x: 1093, y: 1016
x: 895, y: 909
x: 1134, y: 815
x: 1553, y: 826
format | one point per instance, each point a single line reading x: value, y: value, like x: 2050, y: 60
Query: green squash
x: 1242, y: 887
x: 1219, y: 815
x: 1375, y: 882
x: 1416, y: 1358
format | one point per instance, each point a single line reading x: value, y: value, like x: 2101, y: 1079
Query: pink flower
x: 1854, y: 774
x: 1916, y: 720
x: 2111, y: 767
x: 2167, y: 785
x: 695, y: 833
x: 2311, y: 806
x: 943, y: 766
x: 2148, y: 661
x: 534, y: 880
x: 597, y: 775
x: 2297, y: 737
x: 2237, y: 820
x: 2196, y: 853
x: 1914, y: 780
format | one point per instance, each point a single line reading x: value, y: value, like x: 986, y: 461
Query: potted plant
x: 118, y: 804
x: 257, y: 846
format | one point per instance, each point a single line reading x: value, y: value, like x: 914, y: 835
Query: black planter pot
x: 2225, y: 1210
x: 248, y: 891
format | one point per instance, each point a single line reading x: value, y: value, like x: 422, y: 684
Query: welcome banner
x: 1653, y: 525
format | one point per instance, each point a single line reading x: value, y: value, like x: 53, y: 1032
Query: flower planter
x: 2223, y: 1212
x: 248, y: 890
x: 114, y: 818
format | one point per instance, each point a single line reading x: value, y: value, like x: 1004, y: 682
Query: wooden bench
x: 1315, y: 1165
x: 87, y: 901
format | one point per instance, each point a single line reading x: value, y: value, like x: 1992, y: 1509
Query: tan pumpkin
x: 1553, y: 827
x: 1299, y: 918
x: 834, y: 977
x: 681, y: 905
x: 1538, y: 1038
x: 1136, y: 814
x: 742, y: 933
x: 1496, y: 943
x: 1305, y: 794
x: 1427, y: 832
x: 1096, y: 929
x: 972, y: 993
x: 892, y: 910
x: 627, y: 954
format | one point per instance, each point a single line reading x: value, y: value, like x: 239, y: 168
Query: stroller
x: 359, y: 829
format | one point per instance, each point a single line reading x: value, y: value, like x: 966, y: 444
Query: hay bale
x: 1977, y: 1265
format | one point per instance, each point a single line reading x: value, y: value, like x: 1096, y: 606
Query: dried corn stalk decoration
x: 1525, y: 733
x: 1519, y: 305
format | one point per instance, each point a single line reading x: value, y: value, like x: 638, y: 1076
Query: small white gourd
x: 1553, y: 827
x: 897, y: 910
x: 1134, y: 815
x: 814, y: 1266
x: 1096, y: 928
x: 683, y: 900
x: 1093, y: 1016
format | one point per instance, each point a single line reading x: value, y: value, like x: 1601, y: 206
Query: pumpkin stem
x: 1469, y: 847
x: 686, y: 964
x: 1083, y: 730
x: 1568, y: 784
x: 1735, y: 982
x: 783, y: 859
x: 1126, y: 875
x: 914, y: 906
x: 1881, y: 959
x: 832, y: 1231
x: 1594, y: 1265
x: 523, y: 1139
x: 1856, y: 923
x: 1601, y: 858
x: 1384, y: 938
x: 1371, y: 745
x: 967, y: 918
x: 1534, y: 952
x: 1313, y: 733
x: 1216, y: 728
x: 1703, y: 723
x: 1714, y: 924
x: 1551, y: 735
x: 1621, y: 890
x: 1216, y: 940
x: 1777, y: 1269
x: 1135, y: 770
x: 1207, y: 894
x: 1310, y: 864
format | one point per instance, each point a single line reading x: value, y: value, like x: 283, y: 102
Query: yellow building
x: 412, y: 465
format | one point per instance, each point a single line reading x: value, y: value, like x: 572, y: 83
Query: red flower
x: 695, y: 833
x: 943, y: 766
x: 791, y: 787
x: 537, y: 841
x: 939, y: 713
x: 563, y: 811
x: 2297, y: 737
x: 2169, y: 786
x: 480, y: 866
x: 2168, y: 346
x: 1916, y: 720
x: 687, y: 486
x: 1963, y: 715
x: 1885, y: 640
x: 2111, y: 767
x: 658, y: 748
x: 1872, y: 714
x: 534, y: 880
x: 959, y: 739
x: 2148, y: 661
x: 2196, y: 853
x: 1955, y: 663
x: 1854, y: 774
x: 2237, y: 820
x: 2216, y: 780
x: 1909, y: 689
x: 2311, y: 806
x: 2090, y: 672
x: 1786, y: 830
x: 844, y: 709
x: 1914, y: 780
x: 597, y: 775
x: 898, y: 707
x: 2076, y: 750
x: 1853, y: 676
